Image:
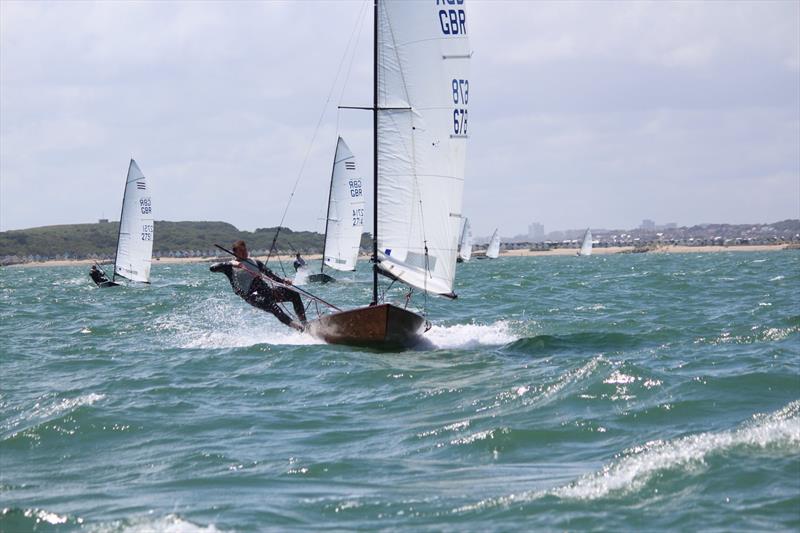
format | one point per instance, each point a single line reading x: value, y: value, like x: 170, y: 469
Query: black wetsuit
x: 98, y: 276
x: 298, y: 264
x: 258, y: 293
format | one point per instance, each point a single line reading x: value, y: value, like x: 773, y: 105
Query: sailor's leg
x: 271, y: 306
x: 282, y: 294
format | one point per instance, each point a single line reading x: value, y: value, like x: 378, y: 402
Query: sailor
x: 244, y: 274
x: 97, y: 275
x: 299, y: 262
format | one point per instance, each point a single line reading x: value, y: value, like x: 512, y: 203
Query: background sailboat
x: 345, y: 217
x: 586, y: 245
x: 465, y: 249
x: 493, y: 250
x: 135, y: 238
x: 421, y: 95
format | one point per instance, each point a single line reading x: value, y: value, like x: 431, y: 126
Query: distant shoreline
x: 664, y: 249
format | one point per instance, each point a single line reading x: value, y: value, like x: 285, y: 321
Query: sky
x: 582, y: 114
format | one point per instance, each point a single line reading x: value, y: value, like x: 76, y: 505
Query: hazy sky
x: 581, y: 113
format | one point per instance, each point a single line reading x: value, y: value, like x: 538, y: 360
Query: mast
x: 328, y: 212
x: 375, y: 157
x: 121, y: 212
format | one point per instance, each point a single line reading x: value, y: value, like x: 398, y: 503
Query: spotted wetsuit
x: 247, y: 284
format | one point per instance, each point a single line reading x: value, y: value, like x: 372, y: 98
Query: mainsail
x: 345, y: 219
x: 135, y: 241
x: 586, y: 246
x: 493, y: 250
x: 422, y: 99
x: 465, y: 250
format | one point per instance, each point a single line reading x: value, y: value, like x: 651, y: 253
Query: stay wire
x: 313, y: 138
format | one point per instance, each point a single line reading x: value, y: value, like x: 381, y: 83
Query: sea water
x: 620, y: 392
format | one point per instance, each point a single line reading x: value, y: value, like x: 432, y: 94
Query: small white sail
x: 423, y: 56
x: 586, y: 246
x: 465, y: 251
x: 493, y: 250
x: 345, y: 211
x: 135, y: 241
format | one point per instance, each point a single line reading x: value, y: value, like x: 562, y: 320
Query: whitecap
x: 471, y: 335
x: 635, y: 467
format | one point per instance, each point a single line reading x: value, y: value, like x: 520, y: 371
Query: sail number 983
x: 460, y: 99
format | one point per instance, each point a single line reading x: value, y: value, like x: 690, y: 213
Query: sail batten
x: 135, y: 240
x: 422, y: 66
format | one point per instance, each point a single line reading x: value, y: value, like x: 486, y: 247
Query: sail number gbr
x: 452, y: 20
x: 460, y: 100
x: 147, y: 232
x: 144, y: 205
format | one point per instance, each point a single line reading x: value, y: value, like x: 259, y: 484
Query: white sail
x: 493, y: 250
x: 465, y: 250
x: 423, y: 94
x: 586, y: 246
x: 345, y: 211
x: 135, y: 242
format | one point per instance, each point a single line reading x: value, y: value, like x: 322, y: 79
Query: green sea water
x: 618, y: 393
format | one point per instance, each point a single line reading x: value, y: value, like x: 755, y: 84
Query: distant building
x: 103, y: 221
x: 648, y: 225
x: 536, y: 232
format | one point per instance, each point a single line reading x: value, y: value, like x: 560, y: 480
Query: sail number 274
x: 460, y: 99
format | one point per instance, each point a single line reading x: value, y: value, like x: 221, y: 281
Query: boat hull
x: 384, y: 326
x: 320, y: 278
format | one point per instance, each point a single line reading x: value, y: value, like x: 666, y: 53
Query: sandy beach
x: 665, y: 249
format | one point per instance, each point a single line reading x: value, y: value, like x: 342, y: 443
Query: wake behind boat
x: 135, y: 238
x: 420, y: 102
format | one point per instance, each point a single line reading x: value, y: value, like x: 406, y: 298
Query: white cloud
x: 633, y: 102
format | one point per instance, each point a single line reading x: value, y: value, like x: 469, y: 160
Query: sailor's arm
x: 220, y: 267
x: 271, y: 275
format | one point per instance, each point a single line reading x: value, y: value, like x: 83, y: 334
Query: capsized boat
x: 135, y: 238
x: 344, y: 221
x: 420, y: 103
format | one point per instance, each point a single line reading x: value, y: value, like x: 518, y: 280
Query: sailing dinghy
x: 420, y: 98
x: 493, y: 250
x: 135, y: 237
x: 344, y: 221
x: 586, y: 245
x: 465, y: 249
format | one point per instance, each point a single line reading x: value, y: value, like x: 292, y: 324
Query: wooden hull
x: 384, y: 326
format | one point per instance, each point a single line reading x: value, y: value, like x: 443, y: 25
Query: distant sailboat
x: 493, y: 250
x: 420, y: 94
x: 465, y: 249
x: 135, y: 237
x: 586, y: 245
x: 345, y: 218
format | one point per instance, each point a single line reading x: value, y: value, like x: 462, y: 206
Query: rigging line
x: 360, y: 25
x: 311, y: 144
